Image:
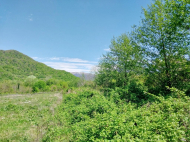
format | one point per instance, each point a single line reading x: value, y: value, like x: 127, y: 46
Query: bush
x: 40, y: 85
x: 63, y: 85
x: 88, y: 115
x: 35, y: 89
x: 73, y: 83
x: 136, y: 92
x: 53, y: 88
x: 6, y: 87
x: 132, y: 92
x: 30, y: 80
x: 52, y: 82
x: 47, y: 88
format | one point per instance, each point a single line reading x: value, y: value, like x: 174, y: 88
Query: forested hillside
x: 21, y: 74
x: 15, y: 65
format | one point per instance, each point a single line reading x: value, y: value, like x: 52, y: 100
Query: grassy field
x: 26, y: 117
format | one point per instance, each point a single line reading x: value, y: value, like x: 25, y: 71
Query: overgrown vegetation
x: 36, y: 85
x: 89, y: 115
x: 141, y: 89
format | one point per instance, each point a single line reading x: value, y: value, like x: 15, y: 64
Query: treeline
x: 32, y: 84
x: 154, y: 55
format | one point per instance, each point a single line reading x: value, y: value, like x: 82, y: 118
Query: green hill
x: 15, y: 65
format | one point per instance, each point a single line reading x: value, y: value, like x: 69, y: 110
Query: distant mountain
x: 15, y: 65
x: 87, y: 76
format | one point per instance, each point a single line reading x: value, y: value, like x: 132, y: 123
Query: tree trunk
x: 167, y: 68
x: 168, y: 81
x: 125, y: 79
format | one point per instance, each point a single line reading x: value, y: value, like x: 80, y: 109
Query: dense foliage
x: 157, y: 51
x: 116, y: 67
x: 166, y: 44
x: 88, y: 115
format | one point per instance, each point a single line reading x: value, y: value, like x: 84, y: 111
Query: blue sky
x: 69, y: 35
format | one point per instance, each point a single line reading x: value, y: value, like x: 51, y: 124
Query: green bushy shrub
x: 35, y: 89
x: 47, y: 88
x: 73, y: 83
x: 53, y: 88
x: 40, y: 85
x: 30, y: 80
x: 64, y: 85
x: 51, y: 82
x: 87, y: 115
x: 132, y: 92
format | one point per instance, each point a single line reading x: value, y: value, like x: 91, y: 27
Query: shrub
x: 53, y: 88
x: 30, y: 80
x: 35, y: 89
x: 88, y: 115
x: 73, y: 83
x: 47, y: 88
x: 52, y: 82
x: 40, y: 85
x: 64, y: 85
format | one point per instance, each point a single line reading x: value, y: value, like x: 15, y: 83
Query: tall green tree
x: 165, y: 37
x: 116, y: 67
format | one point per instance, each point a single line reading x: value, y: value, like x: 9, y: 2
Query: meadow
x: 25, y: 117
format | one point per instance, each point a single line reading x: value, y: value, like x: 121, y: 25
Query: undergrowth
x: 89, y: 115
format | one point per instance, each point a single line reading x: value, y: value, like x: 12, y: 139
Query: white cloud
x: 66, y: 59
x: 107, y: 49
x: 68, y: 64
x: 75, y: 60
x: 70, y: 67
x: 55, y: 58
x: 35, y: 58
x: 30, y: 17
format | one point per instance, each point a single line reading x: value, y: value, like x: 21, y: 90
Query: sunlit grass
x: 25, y: 117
